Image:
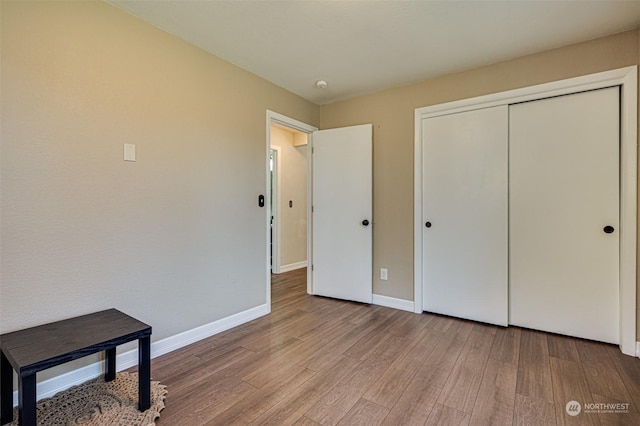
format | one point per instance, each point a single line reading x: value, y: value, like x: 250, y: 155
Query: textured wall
x: 176, y: 239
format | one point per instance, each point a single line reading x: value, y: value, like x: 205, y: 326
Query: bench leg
x: 6, y: 390
x: 109, y: 364
x: 144, y: 373
x: 27, y: 400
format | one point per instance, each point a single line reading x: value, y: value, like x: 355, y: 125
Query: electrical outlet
x: 384, y: 274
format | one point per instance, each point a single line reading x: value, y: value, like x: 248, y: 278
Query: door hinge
x: 311, y: 209
x: 312, y: 267
x: 313, y: 150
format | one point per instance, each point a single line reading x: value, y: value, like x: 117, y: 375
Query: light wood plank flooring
x: 319, y: 361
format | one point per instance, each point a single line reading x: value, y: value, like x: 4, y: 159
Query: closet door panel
x: 465, y: 205
x: 564, y: 191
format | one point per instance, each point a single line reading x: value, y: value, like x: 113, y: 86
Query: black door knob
x: 365, y: 222
x: 428, y: 224
x: 608, y: 229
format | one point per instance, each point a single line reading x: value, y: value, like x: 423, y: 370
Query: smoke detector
x: 321, y: 84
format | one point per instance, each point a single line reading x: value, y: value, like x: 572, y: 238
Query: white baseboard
x: 638, y: 349
x: 188, y: 337
x: 392, y: 302
x: 293, y: 266
x: 125, y: 360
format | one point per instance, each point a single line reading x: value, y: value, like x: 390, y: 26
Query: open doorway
x: 288, y: 187
x: 288, y: 199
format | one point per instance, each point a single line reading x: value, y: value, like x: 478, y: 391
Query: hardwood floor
x: 319, y: 361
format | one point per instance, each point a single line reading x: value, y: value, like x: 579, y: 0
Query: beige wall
x: 392, y: 114
x: 292, y: 166
x: 176, y: 239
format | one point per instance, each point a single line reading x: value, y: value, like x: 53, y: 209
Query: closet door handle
x: 428, y: 224
x: 608, y: 229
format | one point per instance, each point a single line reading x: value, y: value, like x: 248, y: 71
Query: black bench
x: 35, y: 349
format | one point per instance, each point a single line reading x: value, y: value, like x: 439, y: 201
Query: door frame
x: 627, y: 79
x: 276, y: 118
x: 274, y: 204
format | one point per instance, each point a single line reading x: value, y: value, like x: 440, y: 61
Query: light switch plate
x: 129, y: 152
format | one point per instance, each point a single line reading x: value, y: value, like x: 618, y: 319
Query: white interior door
x: 564, y: 191
x: 342, y: 213
x: 465, y: 214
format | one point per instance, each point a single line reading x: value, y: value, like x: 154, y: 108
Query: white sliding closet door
x: 564, y: 214
x: 465, y: 214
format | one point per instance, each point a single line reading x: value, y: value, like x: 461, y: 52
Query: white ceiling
x: 365, y: 46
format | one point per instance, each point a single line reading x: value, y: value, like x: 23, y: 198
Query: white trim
x: 276, y: 236
x: 292, y: 123
x: 392, y: 302
x: 274, y: 117
x: 638, y: 349
x: 50, y: 387
x: 293, y: 266
x: 628, y: 207
x: 310, y: 213
x: 417, y: 214
x: 556, y: 88
x: 627, y: 79
x: 188, y: 337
